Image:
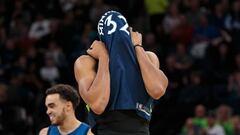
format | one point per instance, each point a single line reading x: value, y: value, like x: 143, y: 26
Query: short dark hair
x: 66, y: 92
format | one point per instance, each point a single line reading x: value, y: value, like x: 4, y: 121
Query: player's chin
x: 53, y: 122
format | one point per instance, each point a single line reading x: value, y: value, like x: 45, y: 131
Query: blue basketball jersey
x: 81, y: 130
x: 127, y: 87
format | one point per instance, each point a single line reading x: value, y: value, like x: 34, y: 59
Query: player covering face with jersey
x: 120, y: 80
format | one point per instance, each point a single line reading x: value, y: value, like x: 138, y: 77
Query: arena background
x: 197, y: 42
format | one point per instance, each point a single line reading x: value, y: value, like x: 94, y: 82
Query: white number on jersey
x: 110, y: 22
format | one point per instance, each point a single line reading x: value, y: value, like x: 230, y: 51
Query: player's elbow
x: 99, y: 105
x: 97, y: 108
x: 159, y: 90
x: 157, y: 93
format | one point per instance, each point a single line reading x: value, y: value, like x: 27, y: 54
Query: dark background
x: 197, y: 42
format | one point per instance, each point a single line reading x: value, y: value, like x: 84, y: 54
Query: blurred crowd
x: 197, y: 42
x: 214, y: 122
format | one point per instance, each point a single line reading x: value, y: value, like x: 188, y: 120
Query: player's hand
x: 97, y: 50
x: 136, y: 37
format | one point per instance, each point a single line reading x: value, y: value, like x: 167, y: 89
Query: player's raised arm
x: 94, y: 86
x: 154, y: 79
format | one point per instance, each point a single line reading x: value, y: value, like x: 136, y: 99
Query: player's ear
x: 69, y: 105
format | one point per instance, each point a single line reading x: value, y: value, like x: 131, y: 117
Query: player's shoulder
x: 154, y: 58
x: 151, y: 54
x: 85, y: 60
x: 90, y: 132
x: 43, y: 131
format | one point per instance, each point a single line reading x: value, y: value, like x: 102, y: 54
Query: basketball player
x: 119, y: 80
x: 61, y: 102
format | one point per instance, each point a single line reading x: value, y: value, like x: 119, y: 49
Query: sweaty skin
x: 154, y: 79
x: 94, y: 86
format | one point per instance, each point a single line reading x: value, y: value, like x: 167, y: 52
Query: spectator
x: 194, y: 90
x: 223, y: 118
x: 172, y: 18
x: 213, y: 128
x: 183, y: 27
x: 156, y: 10
x: 190, y: 128
x: 234, y: 91
x: 200, y: 118
x: 183, y: 59
x: 236, y: 125
x: 40, y: 27
x: 49, y: 72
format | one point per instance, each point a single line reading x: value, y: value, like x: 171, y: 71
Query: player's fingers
x: 130, y: 29
x: 92, y: 45
x: 140, y: 35
x: 89, y: 51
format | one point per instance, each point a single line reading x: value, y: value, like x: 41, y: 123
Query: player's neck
x: 69, y: 124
